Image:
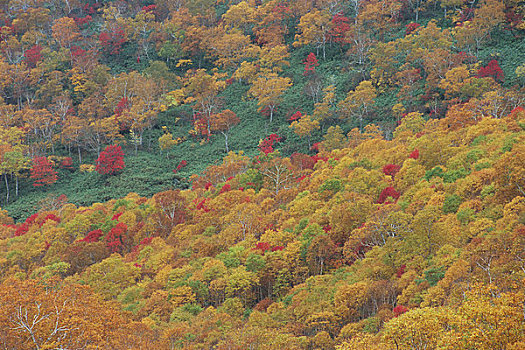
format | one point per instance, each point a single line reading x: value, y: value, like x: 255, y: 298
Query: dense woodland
x: 292, y: 174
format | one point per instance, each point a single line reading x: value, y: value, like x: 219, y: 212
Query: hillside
x: 262, y: 174
x: 162, y: 81
x: 373, y: 245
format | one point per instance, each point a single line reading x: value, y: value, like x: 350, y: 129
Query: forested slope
x: 262, y: 174
x: 368, y: 244
x: 187, y: 81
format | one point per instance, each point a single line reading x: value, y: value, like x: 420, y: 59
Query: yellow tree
x: 487, y: 319
x: 380, y: 15
x: 100, y: 132
x: 324, y: 110
x: 72, y: 133
x: 241, y: 15
x: 333, y: 139
x: 231, y: 47
x: 268, y: 90
x: 271, y: 27
x: 417, y: 329
x: 42, y: 127
x: 510, y: 174
x: 50, y: 315
x: 142, y: 29
x: 304, y: 127
x: 12, y: 155
x: 65, y: 31
x: 201, y: 89
x: 488, y: 16
x: 140, y: 118
x: 314, y: 28
x: 358, y: 103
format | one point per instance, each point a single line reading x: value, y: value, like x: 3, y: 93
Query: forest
x: 283, y: 174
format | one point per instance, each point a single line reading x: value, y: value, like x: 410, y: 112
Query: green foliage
x: 482, y: 165
x: 473, y: 155
x: 508, y: 143
x: 372, y: 325
x: 435, y: 171
x: 334, y: 185
x: 451, y: 204
x: 254, y: 262
x: 454, y: 174
x: 479, y: 140
x: 488, y: 190
x: 433, y: 275
x: 363, y: 163
x: 466, y: 215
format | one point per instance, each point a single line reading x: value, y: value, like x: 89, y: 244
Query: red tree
x: 388, y: 192
x: 93, y: 236
x: 340, y: 28
x: 399, y: 310
x: 112, y: 41
x: 42, y: 172
x: 296, y: 116
x: 411, y: 27
x: 32, y: 56
x: 414, y: 154
x: 111, y: 160
x: 116, y: 237
x: 492, y: 70
x: 391, y: 169
x: 310, y: 63
x: 266, y: 145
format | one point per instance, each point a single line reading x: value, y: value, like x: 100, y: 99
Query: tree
x: 201, y: 89
x: 241, y: 15
x: 49, y: 314
x: 170, y: 210
x: 510, y: 175
x: 65, y: 31
x: 488, y: 16
x: 315, y: 28
x: 268, y: 90
x: 42, y: 172
x: 304, y: 127
x: 13, y: 157
x: 417, y: 329
x: 310, y: 63
x: 320, y: 250
x: 230, y: 47
x: 278, y: 174
x: 492, y: 70
x: 223, y: 122
x: 110, y: 161
x: 166, y: 141
x: 324, y: 110
x: 271, y: 26
x: 358, y: 102
x: 380, y: 15
x: 333, y: 139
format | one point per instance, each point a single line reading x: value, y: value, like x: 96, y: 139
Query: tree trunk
x: 7, y: 189
x: 226, y: 141
x: 309, y: 142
